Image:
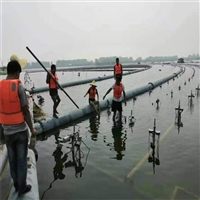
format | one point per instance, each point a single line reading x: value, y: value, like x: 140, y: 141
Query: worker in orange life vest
x: 14, y: 117
x: 118, y: 89
x: 118, y: 71
x: 53, y: 89
x: 92, y: 93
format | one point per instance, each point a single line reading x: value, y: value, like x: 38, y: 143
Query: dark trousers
x: 17, y: 145
x: 2, y: 138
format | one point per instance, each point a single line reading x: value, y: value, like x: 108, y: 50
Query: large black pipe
x: 53, y: 123
x: 43, y: 89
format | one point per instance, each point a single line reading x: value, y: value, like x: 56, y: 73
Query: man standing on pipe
x: 118, y: 71
x: 14, y: 112
x: 118, y: 88
x: 53, y: 89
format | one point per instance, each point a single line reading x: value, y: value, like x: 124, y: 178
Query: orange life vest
x: 52, y: 84
x: 118, y: 69
x: 117, y: 93
x: 92, y: 93
x: 10, y: 107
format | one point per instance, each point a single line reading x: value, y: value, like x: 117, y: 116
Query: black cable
x: 87, y: 153
x: 48, y: 189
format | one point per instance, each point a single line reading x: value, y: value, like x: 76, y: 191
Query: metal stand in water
x: 154, y: 137
x: 178, y: 112
x: 75, y: 140
x: 131, y: 119
x: 190, y: 98
x: 198, y: 89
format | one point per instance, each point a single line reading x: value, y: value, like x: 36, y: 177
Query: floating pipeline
x: 43, y: 89
x: 31, y: 179
x: 3, y: 159
x: 49, y: 124
x: 86, y: 68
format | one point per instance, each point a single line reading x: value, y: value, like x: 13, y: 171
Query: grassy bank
x: 3, y: 73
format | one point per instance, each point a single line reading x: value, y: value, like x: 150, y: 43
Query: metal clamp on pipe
x: 150, y: 83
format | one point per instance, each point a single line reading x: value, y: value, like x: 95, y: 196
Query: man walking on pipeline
x: 117, y: 88
x: 53, y: 89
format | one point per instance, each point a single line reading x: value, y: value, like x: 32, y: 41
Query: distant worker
x: 14, y: 117
x: 53, y: 89
x: 118, y: 88
x: 92, y: 93
x: 118, y: 71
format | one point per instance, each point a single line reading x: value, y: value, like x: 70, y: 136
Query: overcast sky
x: 75, y: 30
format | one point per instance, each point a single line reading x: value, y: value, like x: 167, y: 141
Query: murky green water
x: 115, y: 152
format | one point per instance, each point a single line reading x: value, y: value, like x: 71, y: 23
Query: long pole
x: 51, y: 76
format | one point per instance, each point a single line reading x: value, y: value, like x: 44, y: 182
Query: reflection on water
x: 94, y: 121
x: 191, y: 106
x: 119, y: 144
x: 74, y: 141
x: 108, y: 114
x: 108, y: 110
x: 77, y: 154
x: 59, y: 165
x: 131, y: 121
x: 57, y: 136
x: 179, y: 126
x: 197, y: 93
x: 58, y: 168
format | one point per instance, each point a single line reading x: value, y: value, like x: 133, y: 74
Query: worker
x: 118, y: 71
x: 118, y: 89
x: 14, y: 117
x: 53, y: 89
x: 92, y: 91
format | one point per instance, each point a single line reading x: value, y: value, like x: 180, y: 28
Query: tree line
x: 110, y: 61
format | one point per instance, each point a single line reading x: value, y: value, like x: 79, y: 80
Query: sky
x: 76, y: 30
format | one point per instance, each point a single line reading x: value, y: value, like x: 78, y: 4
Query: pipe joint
x: 150, y: 83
